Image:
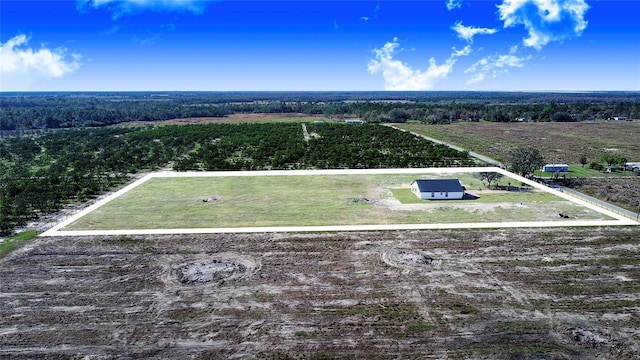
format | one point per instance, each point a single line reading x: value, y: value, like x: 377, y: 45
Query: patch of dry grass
x: 558, y: 142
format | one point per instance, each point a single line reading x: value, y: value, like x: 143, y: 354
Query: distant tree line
x: 22, y: 111
x: 465, y: 111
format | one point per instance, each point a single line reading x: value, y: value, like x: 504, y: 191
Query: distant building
x: 620, y: 118
x: 632, y: 166
x: 354, y: 121
x: 438, y: 189
x: 555, y: 168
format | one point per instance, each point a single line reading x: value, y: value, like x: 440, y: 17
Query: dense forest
x: 40, y: 174
x: 38, y: 111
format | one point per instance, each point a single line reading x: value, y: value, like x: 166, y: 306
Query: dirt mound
x: 363, y: 200
x: 589, y: 338
x: 406, y: 258
x: 204, y: 272
x: 207, y: 268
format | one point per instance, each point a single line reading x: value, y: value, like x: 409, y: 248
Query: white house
x: 437, y: 189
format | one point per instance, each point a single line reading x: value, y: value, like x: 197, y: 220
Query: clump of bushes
x: 596, y: 166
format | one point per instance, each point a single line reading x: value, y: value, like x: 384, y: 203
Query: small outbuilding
x: 438, y: 189
x: 632, y: 166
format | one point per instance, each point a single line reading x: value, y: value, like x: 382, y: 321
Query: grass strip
x: 12, y: 242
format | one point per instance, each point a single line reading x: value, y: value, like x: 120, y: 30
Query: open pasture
x: 308, y: 199
x: 558, y: 142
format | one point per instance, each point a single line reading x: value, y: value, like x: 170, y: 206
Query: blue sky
x: 240, y: 45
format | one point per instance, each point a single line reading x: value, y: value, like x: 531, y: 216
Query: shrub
x: 596, y: 166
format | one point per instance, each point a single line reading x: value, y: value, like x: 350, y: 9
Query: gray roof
x: 439, y: 185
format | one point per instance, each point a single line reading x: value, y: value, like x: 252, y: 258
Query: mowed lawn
x: 310, y: 200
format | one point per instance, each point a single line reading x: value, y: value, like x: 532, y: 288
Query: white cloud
x: 400, y: 76
x: 468, y: 32
x: 122, y: 7
x: 21, y: 66
x: 491, y: 66
x: 454, y: 4
x: 545, y: 20
x: 464, y: 52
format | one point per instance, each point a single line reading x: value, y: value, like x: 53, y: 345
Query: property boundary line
x: 620, y: 220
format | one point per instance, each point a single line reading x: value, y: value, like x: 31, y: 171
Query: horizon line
x: 322, y: 91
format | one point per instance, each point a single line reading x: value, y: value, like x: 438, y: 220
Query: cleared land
x: 316, y: 199
x: 558, y: 142
x: 624, y: 192
x: 499, y: 294
x: 235, y: 119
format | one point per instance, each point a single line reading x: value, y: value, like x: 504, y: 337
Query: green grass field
x: 577, y: 171
x: 309, y: 200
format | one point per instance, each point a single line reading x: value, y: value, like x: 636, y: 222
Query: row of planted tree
x: 282, y: 146
x: 41, y: 173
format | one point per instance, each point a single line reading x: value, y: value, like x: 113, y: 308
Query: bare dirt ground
x: 499, y: 294
x: 232, y: 119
